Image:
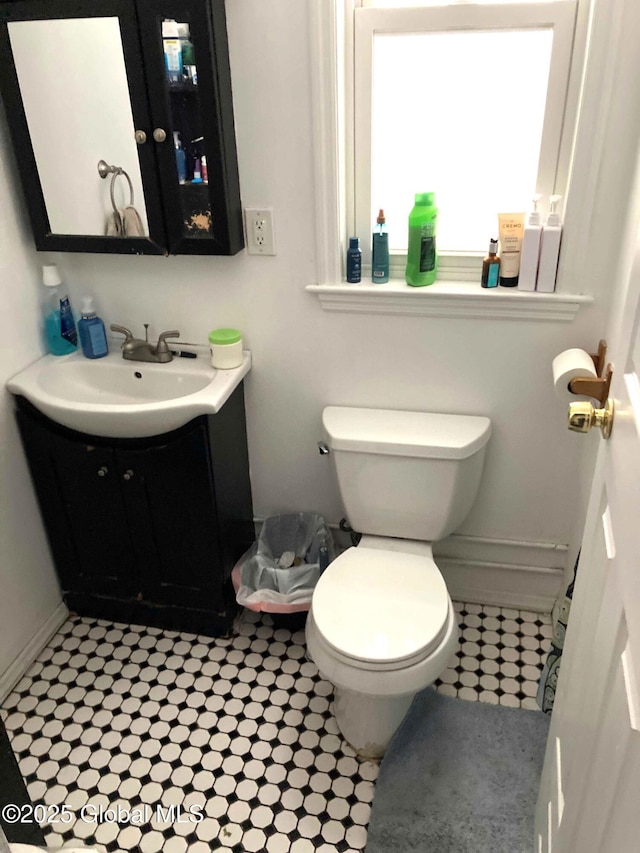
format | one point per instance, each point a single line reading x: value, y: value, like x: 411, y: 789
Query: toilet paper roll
x: 568, y: 365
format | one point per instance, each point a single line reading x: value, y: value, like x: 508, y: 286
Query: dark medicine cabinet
x: 96, y: 94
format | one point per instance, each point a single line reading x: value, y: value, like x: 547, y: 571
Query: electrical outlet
x: 259, y: 228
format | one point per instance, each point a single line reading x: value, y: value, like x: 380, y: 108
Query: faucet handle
x: 123, y: 331
x: 162, y: 346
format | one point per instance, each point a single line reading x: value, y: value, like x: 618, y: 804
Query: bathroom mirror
x: 74, y: 88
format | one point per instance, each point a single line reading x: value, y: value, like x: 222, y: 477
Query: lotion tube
x: 511, y: 227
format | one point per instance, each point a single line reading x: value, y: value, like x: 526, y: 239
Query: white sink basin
x: 116, y: 398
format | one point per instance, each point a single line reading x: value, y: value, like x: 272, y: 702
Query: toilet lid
x: 382, y: 607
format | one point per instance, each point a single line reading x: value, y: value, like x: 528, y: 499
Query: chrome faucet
x: 135, y: 349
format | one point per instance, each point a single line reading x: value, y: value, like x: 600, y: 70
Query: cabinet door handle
x: 102, y: 472
x: 140, y: 136
x: 159, y: 134
x: 128, y: 474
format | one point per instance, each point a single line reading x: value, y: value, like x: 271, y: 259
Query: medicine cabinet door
x: 75, y: 95
x: 184, y: 43
x: 93, y: 110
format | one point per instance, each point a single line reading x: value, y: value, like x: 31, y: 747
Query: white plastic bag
x: 279, y: 572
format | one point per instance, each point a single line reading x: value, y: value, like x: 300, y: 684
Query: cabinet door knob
x: 140, y: 137
x: 159, y: 134
x: 102, y: 472
x: 128, y: 474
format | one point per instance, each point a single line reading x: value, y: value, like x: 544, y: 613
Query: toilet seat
x: 382, y: 610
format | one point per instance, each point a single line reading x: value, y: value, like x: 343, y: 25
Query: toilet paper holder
x: 596, y: 387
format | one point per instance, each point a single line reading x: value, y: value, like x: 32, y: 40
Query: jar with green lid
x: 226, y: 348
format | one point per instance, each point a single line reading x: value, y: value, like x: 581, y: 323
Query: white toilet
x: 381, y: 625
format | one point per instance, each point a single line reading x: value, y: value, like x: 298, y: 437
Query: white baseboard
x: 11, y: 676
x: 503, y: 572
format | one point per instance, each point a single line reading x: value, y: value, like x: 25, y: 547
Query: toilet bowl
x: 381, y: 625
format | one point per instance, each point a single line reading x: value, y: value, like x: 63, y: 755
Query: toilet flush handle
x: 324, y: 448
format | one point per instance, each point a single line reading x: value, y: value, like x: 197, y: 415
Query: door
x: 169, y: 496
x: 184, y: 43
x: 588, y: 799
x: 74, y: 88
x: 83, y: 511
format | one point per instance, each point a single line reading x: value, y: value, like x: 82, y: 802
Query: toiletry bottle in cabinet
x: 530, y: 252
x: 181, y: 158
x: 550, y: 249
x: 380, y: 252
x: 354, y: 261
x: 60, y: 333
x: 93, y: 337
x: 422, y: 260
x: 491, y: 266
x: 172, y: 51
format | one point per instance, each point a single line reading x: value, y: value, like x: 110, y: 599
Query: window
x: 467, y: 100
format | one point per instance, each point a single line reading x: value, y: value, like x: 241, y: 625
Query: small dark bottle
x: 354, y: 261
x: 491, y: 267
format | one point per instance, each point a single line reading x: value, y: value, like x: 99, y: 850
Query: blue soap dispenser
x: 60, y: 333
x: 93, y: 337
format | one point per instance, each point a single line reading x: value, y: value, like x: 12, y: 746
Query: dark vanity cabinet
x: 99, y: 95
x: 147, y: 530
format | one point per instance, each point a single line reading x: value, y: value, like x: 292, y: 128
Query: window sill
x: 449, y: 299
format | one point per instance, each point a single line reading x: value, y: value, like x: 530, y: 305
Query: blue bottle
x: 380, y: 252
x: 354, y: 261
x: 93, y: 337
x: 181, y: 158
x: 60, y: 333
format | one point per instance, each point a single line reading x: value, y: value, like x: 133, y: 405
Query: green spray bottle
x: 422, y: 259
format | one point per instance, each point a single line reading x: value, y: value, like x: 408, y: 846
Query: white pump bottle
x: 550, y: 250
x: 530, y: 253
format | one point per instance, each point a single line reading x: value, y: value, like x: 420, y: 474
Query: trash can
x: 277, y: 575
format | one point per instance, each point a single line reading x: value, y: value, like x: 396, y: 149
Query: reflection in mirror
x: 74, y: 88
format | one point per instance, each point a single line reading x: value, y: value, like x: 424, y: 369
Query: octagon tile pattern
x: 133, y: 738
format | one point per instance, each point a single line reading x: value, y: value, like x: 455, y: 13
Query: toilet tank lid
x: 397, y: 433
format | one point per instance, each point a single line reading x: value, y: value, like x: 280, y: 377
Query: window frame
x: 363, y: 22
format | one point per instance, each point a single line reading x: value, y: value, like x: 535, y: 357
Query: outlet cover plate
x: 259, y: 228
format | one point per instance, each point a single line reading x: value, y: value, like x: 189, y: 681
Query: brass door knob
x: 140, y: 137
x: 583, y: 416
x: 159, y: 134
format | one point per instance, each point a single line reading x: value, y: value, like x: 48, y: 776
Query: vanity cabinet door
x: 84, y: 514
x: 169, y: 496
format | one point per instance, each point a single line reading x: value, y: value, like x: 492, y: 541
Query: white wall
x: 29, y: 593
x: 305, y: 359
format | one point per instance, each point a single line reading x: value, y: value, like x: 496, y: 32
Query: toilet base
x: 368, y: 722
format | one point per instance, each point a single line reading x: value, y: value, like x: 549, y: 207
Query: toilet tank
x: 412, y: 475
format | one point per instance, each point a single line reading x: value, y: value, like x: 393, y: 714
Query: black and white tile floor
x: 137, y: 739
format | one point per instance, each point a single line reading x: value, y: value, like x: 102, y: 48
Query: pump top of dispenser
x: 534, y: 216
x: 87, y: 311
x: 425, y: 199
x: 554, y: 217
x: 493, y: 246
x: 381, y: 217
x: 51, y: 276
x: 176, y: 139
x: 170, y: 29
